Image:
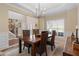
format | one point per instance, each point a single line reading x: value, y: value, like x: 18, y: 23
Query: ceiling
x: 46, y: 8
x: 33, y: 6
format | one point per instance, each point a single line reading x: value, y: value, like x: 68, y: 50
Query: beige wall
x: 70, y: 19
x: 3, y: 18
x: 41, y: 23
x: 3, y: 26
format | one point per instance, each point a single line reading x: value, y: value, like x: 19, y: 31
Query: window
x: 57, y: 25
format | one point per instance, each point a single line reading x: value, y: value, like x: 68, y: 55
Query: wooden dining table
x: 33, y: 41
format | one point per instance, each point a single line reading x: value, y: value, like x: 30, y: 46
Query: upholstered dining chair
x: 51, y: 42
x: 42, y: 46
x: 26, y: 35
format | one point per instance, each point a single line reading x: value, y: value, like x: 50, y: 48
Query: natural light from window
x: 57, y: 25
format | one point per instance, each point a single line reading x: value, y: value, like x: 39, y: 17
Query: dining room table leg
x: 20, y: 45
x: 33, y: 50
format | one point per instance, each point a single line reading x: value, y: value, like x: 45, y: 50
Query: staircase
x: 11, y: 35
x: 13, y: 40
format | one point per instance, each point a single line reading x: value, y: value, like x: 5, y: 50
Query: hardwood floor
x: 57, y: 51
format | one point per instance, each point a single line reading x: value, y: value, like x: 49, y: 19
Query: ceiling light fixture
x: 40, y: 11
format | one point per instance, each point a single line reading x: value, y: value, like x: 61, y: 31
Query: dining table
x: 31, y: 40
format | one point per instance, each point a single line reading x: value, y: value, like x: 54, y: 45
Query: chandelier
x: 40, y: 11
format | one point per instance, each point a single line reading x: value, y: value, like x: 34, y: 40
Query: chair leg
x: 52, y: 48
x: 28, y: 49
x: 23, y: 47
x: 46, y: 53
x: 40, y: 54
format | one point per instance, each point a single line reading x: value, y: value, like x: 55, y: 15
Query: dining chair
x: 51, y: 40
x: 26, y: 35
x: 42, y: 46
x: 35, y: 31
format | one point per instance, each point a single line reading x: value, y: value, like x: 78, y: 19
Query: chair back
x: 44, y: 37
x: 42, y: 45
x: 35, y: 31
x: 53, y: 37
x: 26, y: 35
